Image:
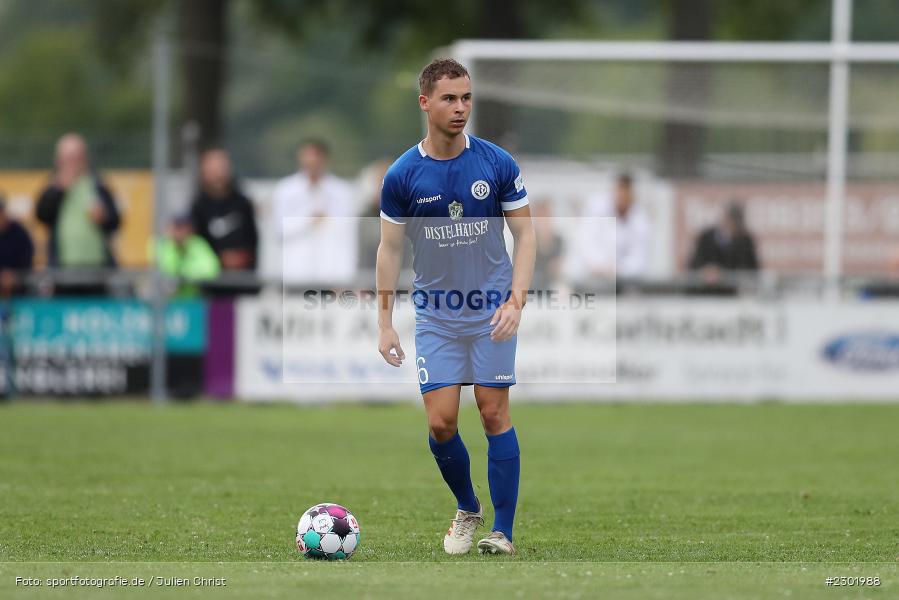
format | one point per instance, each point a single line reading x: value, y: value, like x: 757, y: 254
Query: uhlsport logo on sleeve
x: 480, y: 189
x: 455, y: 210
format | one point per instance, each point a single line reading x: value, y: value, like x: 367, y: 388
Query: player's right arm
x: 387, y: 271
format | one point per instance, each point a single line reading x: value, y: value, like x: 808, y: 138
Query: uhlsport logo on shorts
x: 455, y: 210
x: 480, y: 189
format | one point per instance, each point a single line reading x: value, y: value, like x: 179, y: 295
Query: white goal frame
x: 838, y: 53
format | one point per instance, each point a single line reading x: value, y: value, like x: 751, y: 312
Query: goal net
x: 702, y: 134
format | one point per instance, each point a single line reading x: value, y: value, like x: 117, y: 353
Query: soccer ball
x: 327, y: 531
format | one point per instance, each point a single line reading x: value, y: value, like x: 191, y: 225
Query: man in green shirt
x: 78, y: 209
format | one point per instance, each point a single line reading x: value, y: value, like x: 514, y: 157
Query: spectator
x: 78, y: 209
x: 187, y: 256
x: 632, y: 230
x: 16, y: 253
x: 893, y: 263
x: 725, y: 247
x: 223, y: 216
x: 312, y: 213
x: 887, y: 286
x: 613, y: 240
x: 547, y: 266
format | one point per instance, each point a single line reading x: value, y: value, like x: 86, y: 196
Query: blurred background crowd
x: 239, y: 146
x: 286, y: 116
x: 324, y: 230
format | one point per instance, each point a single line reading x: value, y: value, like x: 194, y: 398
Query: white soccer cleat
x: 496, y: 543
x: 459, y: 538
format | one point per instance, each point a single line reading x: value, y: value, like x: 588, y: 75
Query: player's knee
x: 442, y: 428
x: 495, y: 418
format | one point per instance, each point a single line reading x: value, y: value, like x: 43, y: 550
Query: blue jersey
x: 453, y: 213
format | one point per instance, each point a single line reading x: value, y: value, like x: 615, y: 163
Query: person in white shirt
x: 313, y: 211
x: 613, y: 240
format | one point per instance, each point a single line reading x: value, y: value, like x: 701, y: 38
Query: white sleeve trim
x: 392, y: 220
x: 515, y: 204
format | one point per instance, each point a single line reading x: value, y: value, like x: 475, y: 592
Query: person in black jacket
x: 16, y: 253
x: 78, y: 209
x: 728, y: 246
x: 223, y: 215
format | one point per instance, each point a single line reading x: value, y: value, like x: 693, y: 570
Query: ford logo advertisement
x: 873, y: 352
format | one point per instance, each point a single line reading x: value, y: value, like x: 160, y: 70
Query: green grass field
x: 631, y: 501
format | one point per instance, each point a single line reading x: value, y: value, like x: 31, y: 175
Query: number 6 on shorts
x: 422, y: 372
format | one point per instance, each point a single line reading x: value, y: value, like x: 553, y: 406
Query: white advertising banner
x: 263, y: 371
x: 667, y: 349
x: 750, y: 350
x: 324, y: 344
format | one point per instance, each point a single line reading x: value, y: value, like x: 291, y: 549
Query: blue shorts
x: 442, y: 359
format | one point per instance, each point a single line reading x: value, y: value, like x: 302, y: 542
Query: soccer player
x: 452, y: 194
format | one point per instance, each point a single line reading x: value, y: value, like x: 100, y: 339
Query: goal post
x: 784, y: 110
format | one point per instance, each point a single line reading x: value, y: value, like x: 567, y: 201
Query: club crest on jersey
x: 455, y: 210
x: 480, y: 189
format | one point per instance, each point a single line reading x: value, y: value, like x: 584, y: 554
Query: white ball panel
x: 305, y: 524
x: 349, y: 544
x: 330, y: 543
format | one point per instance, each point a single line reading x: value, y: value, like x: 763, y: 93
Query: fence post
x: 162, y: 58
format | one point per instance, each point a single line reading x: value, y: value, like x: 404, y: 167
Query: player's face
x: 449, y: 105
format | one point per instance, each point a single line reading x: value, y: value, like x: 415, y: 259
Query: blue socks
x: 503, y: 470
x: 452, y: 459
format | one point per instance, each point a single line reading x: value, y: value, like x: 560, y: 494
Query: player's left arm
x: 508, y: 316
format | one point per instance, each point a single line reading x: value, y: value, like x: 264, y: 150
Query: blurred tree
x: 122, y: 30
x: 203, y: 45
x: 773, y: 20
x: 874, y: 21
x: 347, y: 68
x: 412, y: 27
x: 495, y: 121
x: 681, y: 145
x: 680, y: 148
x: 51, y: 82
x: 407, y: 27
